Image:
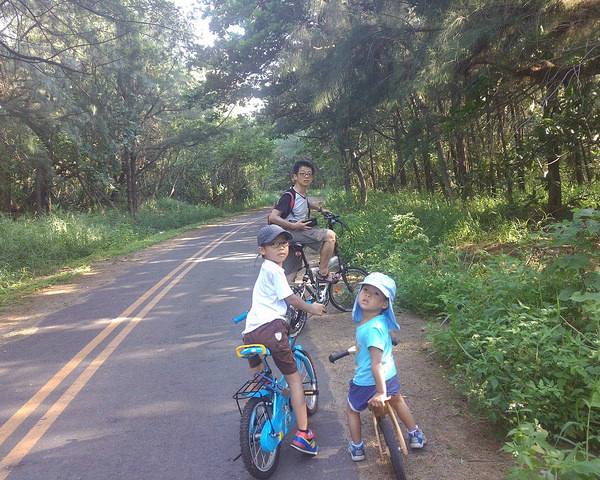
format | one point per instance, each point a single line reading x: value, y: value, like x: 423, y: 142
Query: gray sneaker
x: 417, y: 439
x: 357, y: 452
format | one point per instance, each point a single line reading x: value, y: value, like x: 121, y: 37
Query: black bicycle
x: 341, y: 294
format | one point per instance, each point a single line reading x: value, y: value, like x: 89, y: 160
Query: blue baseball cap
x: 271, y: 232
x: 388, y: 287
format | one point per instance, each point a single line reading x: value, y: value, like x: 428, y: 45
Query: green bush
x: 518, y: 329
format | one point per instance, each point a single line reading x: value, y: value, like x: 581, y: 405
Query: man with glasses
x: 292, y: 213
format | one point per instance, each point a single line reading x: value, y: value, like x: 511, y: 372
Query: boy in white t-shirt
x: 266, y: 324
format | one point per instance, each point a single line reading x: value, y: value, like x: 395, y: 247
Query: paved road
x: 136, y: 382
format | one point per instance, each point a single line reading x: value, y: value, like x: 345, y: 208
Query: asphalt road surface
x: 136, y: 382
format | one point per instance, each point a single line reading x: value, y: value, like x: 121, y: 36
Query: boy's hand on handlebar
x: 317, y: 308
x: 378, y: 400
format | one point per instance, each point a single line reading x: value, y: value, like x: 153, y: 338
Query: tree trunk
x: 507, y: 174
x: 362, y: 184
x: 417, y: 178
x: 552, y: 152
x: 445, y: 174
x: 428, y: 174
x: 462, y: 162
x: 129, y: 165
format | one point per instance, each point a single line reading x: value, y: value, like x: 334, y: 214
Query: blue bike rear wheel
x: 256, y: 414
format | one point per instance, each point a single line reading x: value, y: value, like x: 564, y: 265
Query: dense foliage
x: 466, y: 99
x: 109, y: 104
x: 521, y: 329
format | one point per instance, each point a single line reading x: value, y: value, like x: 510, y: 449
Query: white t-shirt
x: 270, y: 290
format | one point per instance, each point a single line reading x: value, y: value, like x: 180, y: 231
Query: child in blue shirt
x: 375, y: 379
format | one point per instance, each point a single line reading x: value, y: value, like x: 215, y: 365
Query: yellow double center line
x: 155, y: 294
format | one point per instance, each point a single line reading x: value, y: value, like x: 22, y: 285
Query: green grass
x: 37, y: 252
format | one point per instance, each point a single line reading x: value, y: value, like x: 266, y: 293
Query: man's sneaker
x: 357, y: 452
x: 416, y: 439
x: 305, y: 442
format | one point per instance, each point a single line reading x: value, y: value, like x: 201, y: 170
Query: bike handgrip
x: 240, y: 318
x: 336, y: 356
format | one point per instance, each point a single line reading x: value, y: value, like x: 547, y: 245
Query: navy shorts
x: 359, y: 395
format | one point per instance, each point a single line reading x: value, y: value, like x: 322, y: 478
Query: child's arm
x: 381, y: 396
x: 296, y: 302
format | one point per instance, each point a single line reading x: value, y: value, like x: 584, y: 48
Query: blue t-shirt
x: 374, y: 333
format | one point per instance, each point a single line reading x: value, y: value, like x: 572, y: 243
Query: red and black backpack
x: 284, y: 213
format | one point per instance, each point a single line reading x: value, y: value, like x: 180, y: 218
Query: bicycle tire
x: 343, y: 293
x: 309, y: 383
x: 259, y: 463
x: 297, y: 320
x: 394, y: 449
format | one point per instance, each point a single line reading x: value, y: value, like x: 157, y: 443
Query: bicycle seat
x: 296, y: 245
x: 245, y: 351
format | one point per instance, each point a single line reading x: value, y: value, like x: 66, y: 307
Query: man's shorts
x: 359, y: 395
x: 312, y: 238
x: 274, y: 336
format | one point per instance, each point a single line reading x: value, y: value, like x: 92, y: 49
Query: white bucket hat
x: 388, y: 288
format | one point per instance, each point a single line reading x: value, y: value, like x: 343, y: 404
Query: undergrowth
x: 61, y: 243
x: 520, y: 329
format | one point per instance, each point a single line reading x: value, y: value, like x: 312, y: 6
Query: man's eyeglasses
x: 277, y: 244
x: 305, y: 174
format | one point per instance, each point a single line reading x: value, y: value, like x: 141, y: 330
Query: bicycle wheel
x: 343, y: 293
x: 309, y: 382
x: 389, y: 434
x: 260, y: 463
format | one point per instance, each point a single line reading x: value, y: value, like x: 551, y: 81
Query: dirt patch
x: 460, y: 446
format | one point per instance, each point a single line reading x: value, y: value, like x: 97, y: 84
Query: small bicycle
x: 384, y: 421
x: 341, y: 294
x: 266, y: 410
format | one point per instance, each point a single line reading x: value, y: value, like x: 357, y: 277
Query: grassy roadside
x: 40, y: 252
x: 514, y: 307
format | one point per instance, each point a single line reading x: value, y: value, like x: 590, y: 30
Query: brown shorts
x: 280, y: 349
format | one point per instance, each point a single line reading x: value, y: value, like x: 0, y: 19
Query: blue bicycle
x: 266, y: 410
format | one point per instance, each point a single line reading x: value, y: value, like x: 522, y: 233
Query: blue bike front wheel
x: 309, y: 382
x: 256, y: 414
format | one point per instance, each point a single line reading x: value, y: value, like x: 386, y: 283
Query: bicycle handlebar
x: 332, y: 219
x: 351, y: 351
x: 336, y: 356
x: 240, y: 318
